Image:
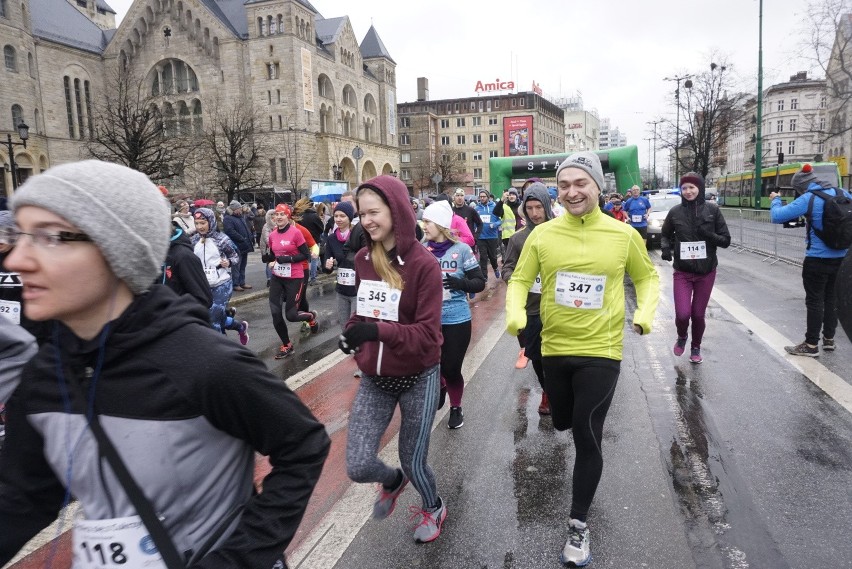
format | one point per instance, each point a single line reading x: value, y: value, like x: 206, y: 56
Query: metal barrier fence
x: 751, y: 230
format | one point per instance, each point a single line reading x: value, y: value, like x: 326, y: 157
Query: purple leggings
x: 691, y: 295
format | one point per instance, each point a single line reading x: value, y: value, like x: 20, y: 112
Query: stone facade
x: 194, y: 61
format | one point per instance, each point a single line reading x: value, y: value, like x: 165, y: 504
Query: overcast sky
x: 615, y: 52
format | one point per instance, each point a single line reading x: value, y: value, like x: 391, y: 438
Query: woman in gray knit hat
x: 135, y: 369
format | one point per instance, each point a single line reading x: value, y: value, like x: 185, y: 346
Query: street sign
x: 436, y: 179
x: 357, y: 153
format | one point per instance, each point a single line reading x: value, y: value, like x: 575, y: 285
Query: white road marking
x: 330, y: 539
x: 833, y: 385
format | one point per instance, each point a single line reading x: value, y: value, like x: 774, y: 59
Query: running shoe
x: 238, y: 289
x: 386, y: 502
x: 247, y: 287
x: 523, y: 360
x: 314, y: 323
x: 544, y: 406
x: 286, y: 350
x: 695, y: 356
x: 803, y: 349
x: 679, y: 347
x: 456, y: 418
x: 828, y: 344
x: 429, y: 527
x: 577, y: 551
x: 243, y: 332
x: 357, y: 373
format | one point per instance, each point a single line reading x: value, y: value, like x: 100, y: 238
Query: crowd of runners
x: 119, y: 391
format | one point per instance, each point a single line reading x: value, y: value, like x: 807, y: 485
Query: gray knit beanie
x: 586, y: 161
x: 123, y: 213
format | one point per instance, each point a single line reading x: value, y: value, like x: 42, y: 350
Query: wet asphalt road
x: 739, y: 462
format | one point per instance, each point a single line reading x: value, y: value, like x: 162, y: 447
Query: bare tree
x: 709, y: 112
x: 829, y: 48
x: 129, y: 129
x: 299, y: 159
x: 236, y: 147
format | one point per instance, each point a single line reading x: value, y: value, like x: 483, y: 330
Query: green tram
x: 737, y: 190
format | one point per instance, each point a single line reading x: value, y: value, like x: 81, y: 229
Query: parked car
x: 659, y: 209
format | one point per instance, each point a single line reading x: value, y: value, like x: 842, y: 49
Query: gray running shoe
x: 577, y: 552
x: 803, y: 349
x: 828, y: 344
x: 429, y: 527
x: 386, y: 501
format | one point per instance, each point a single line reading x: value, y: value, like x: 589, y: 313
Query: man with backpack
x: 828, y: 212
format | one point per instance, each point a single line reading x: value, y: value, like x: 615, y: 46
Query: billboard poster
x: 518, y: 136
x: 307, y: 81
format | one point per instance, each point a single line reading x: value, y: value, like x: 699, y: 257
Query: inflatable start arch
x: 623, y: 162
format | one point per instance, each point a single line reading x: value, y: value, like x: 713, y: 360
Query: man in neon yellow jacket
x: 582, y: 257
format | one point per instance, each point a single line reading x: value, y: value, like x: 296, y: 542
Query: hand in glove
x: 666, y: 254
x: 360, y: 332
x: 284, y: 259
x: 454, y: 283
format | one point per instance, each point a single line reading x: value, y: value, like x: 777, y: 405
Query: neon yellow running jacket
x: 596, y: 245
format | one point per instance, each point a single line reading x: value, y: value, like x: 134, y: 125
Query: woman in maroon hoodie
x: 396, y: 336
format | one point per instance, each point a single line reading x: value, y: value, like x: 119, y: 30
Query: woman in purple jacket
x: 396, y: 336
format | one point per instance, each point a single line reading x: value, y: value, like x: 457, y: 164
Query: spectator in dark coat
x: 235, y: 228
x: 183, y: 271
x: 305, y: 214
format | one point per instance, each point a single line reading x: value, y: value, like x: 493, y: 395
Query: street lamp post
x: 24, y: 135
x: 758, y: 147
x: 649, y: 139
x: 654, y: 179
x: 687, y: 84
x: 337, y: 170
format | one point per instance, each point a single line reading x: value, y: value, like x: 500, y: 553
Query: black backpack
x: 836, y: 230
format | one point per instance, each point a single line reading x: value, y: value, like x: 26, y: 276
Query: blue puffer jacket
x: 782, y: 213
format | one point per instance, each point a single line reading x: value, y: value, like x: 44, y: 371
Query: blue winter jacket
x: 490, y: 230
x: 236, y: 229
x: 782, y: 213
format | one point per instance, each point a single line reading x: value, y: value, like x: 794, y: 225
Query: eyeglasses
x: 41, y: 237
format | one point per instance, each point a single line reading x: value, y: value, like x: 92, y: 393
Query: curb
x: 263, y: 293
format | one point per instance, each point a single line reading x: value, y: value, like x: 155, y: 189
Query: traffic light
x: 780, y: 157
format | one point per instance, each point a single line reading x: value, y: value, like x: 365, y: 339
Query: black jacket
x: 187, y: 409
x: 474, y: 222
x: 695, y: 221
x: 183, y: 271
x: 335, y: 249
x: 312, y: 222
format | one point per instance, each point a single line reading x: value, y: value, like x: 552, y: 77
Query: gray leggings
x: 371, y: 414
x: 346, y: 306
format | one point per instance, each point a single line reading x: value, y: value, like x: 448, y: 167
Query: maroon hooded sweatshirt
x: 413, y: 344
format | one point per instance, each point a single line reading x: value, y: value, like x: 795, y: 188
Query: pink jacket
x: 460, y: 229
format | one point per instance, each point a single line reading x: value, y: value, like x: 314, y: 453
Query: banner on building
x: 391, y: 112
x: 307, y: 81
x: 518, y: 136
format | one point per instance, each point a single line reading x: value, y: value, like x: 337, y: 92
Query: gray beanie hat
x: 133, y: 236
x: 803, y: 178
x: 586, y: 161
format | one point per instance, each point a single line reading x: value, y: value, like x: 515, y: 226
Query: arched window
x: 36, y: 121
x: 270, y: 24
x: 31, y: 63
x: 185, y: 121
x: 2, y: 8
x: 10, y: 58
x: 261, y: 27
x: 17, y: 116
x: 280, y: 24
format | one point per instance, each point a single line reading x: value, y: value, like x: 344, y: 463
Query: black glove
x: 666, y: 254
x: 267, y: 258
x: 357, y: 334
x: 454, y: 283
x: 284, y: 259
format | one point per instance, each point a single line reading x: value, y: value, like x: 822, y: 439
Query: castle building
x: 318, y: 93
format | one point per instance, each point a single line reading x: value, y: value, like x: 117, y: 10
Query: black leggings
x: 580, y: 390
x: 456, y: 341
x: 286, y: 293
